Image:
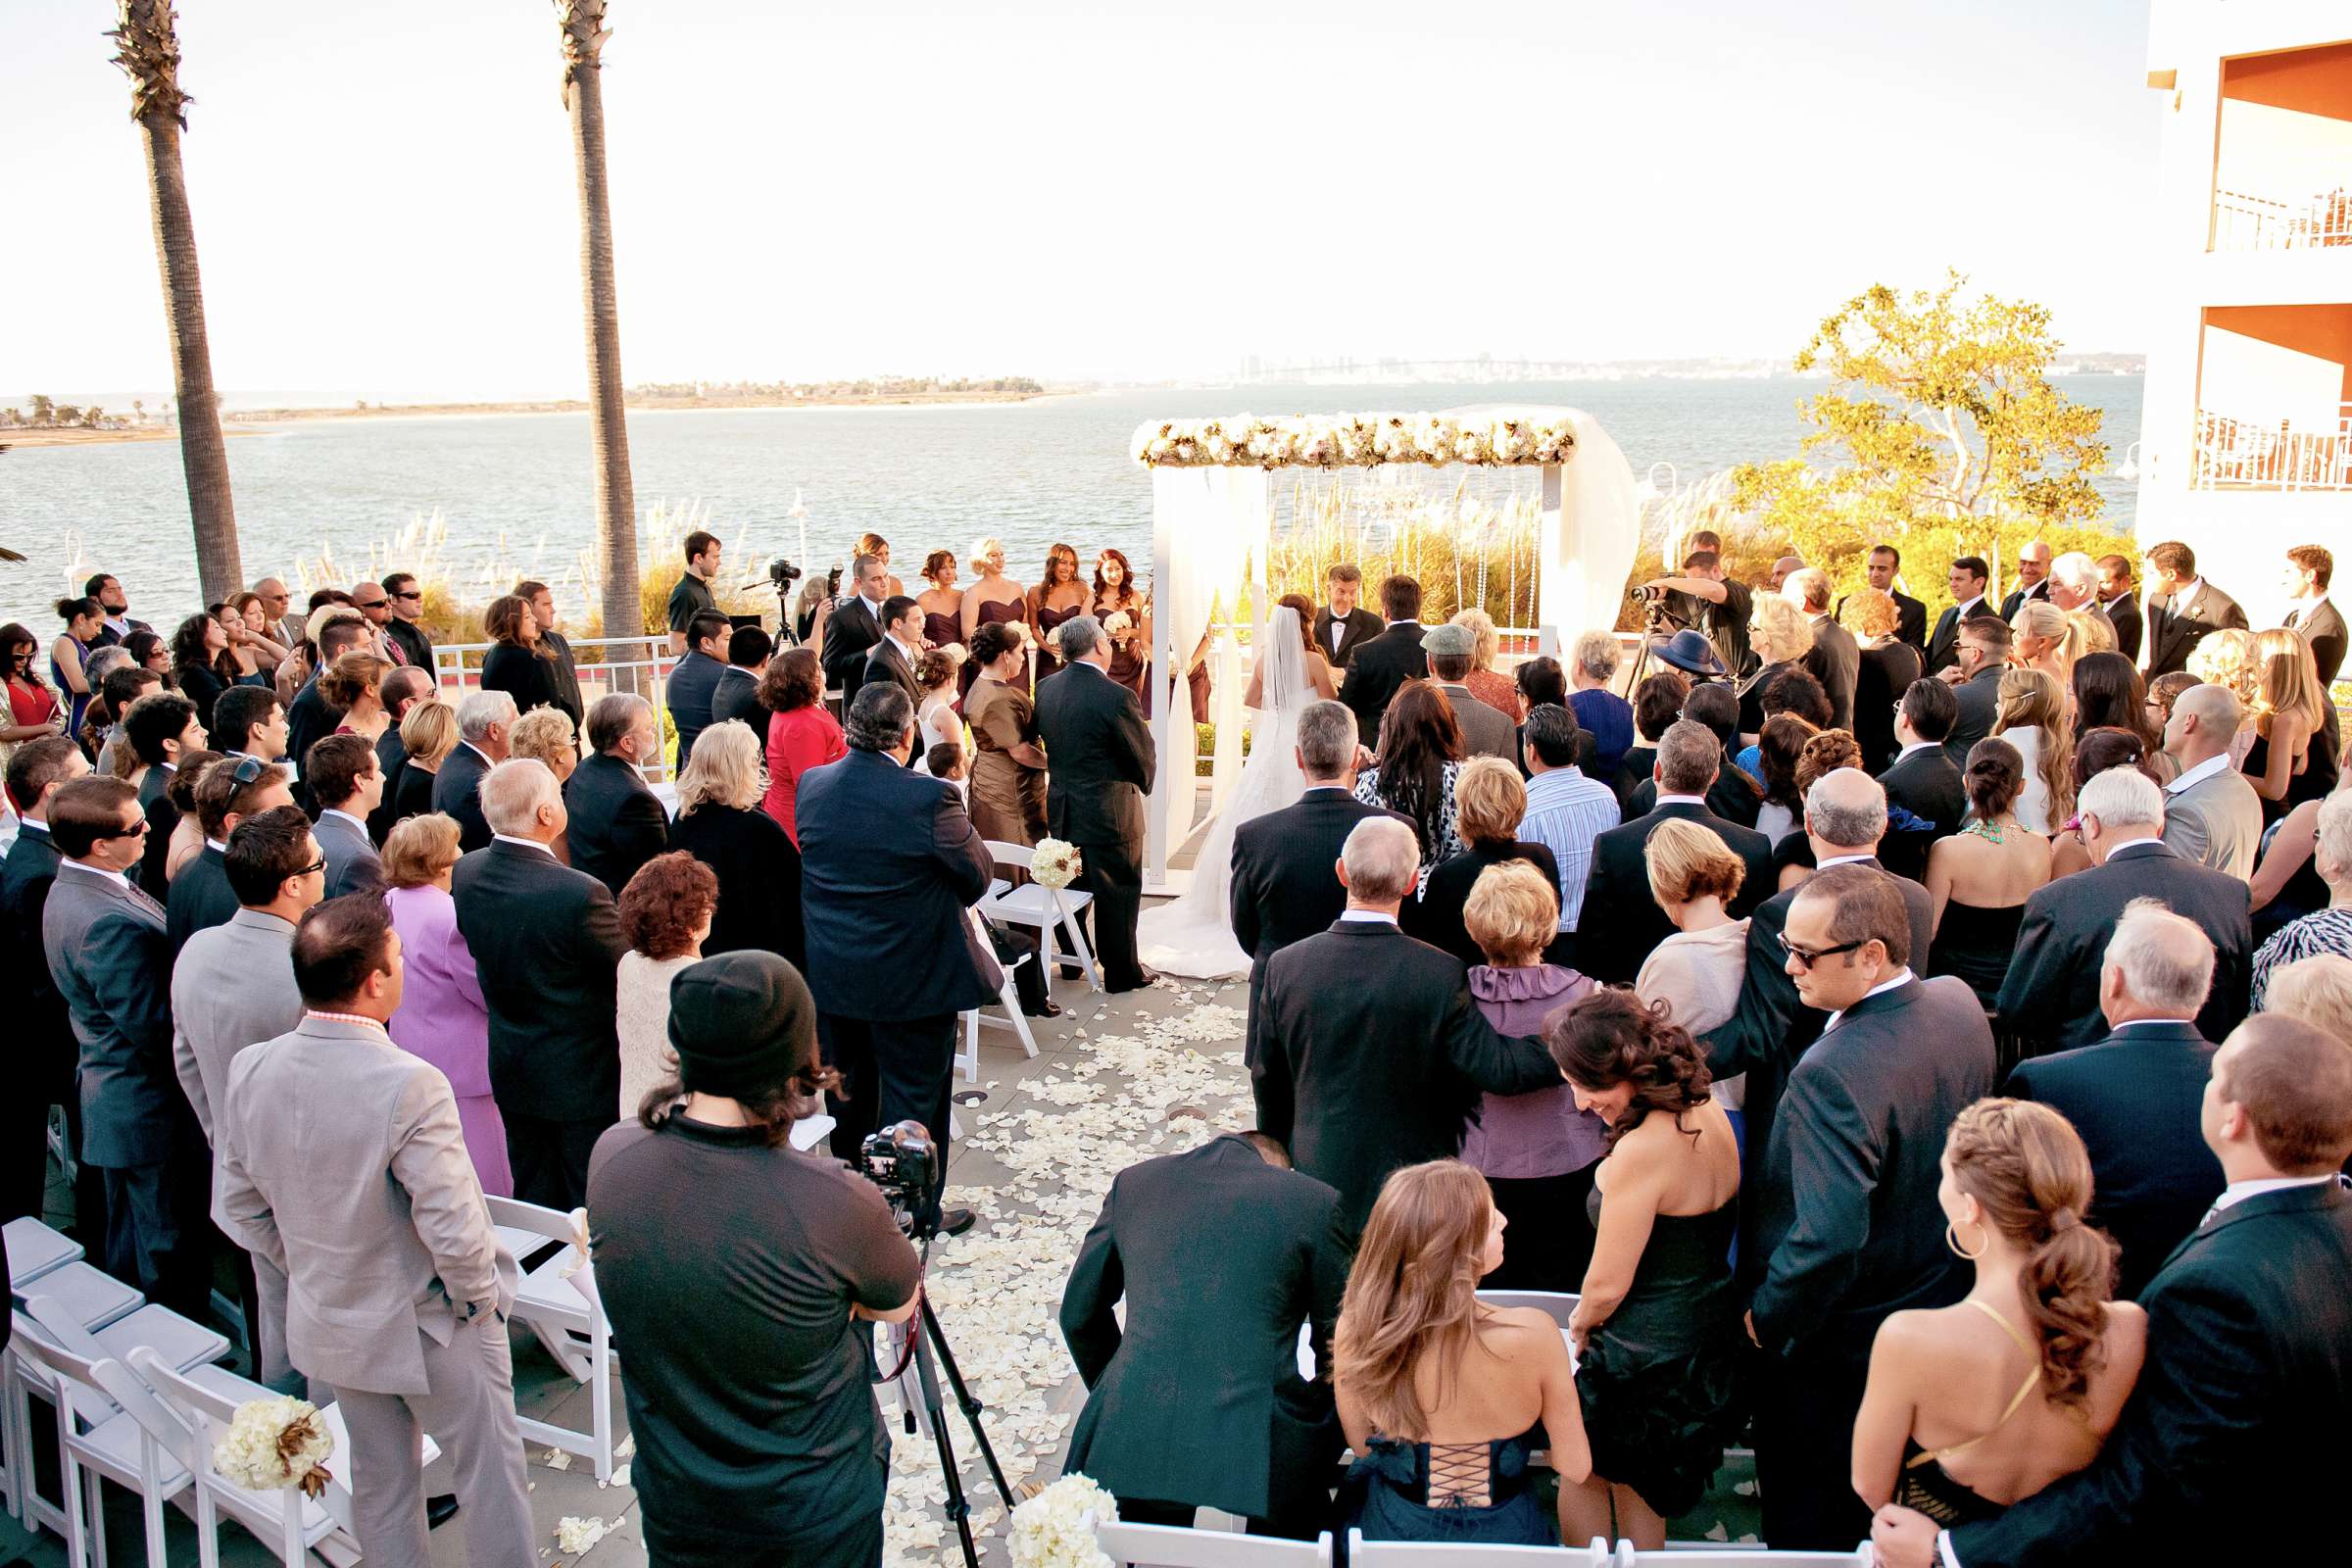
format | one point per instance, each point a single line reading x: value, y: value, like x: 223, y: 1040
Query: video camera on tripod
x: 902, y: 1160
x: 781, y: 575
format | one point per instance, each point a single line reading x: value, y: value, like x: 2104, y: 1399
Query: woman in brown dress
x: 1008, y: 772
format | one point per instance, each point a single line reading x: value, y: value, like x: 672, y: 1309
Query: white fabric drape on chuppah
x: 1205, y: 524
x: 1592, y: 529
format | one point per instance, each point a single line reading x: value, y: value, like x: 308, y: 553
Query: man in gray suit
x: 232, y: 986
x: 1486, y: 731
x: 1833, y: 647
x: 348, y: 784
x: 1975, y: 676
x: 342, y: 1162
x: 111, y: 960
x: 2210, y: 812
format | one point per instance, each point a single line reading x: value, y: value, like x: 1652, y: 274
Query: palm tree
x: 148, y: 39
x: 582, y: 24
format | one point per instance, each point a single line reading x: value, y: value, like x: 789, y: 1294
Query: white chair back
x: 1364, y: 1553
x: 284, y: 1521
x: 558, y: 1300
x: 1706, y: 1554
x: 1174, y: 1546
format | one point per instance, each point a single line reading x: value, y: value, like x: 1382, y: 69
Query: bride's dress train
x: 1192, y: 934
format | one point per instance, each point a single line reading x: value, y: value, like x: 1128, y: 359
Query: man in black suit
x: 693, y: 679
x: 1282, y: 888
x: 1103, y: 762
x: 227, y: 793
x: 854, y: 625
x: 2307, y: 570
x: 1611, y: 950
x: 738, y: 692
x: 45, y: 1051
x: 2135, y: 1095
x: 1198, y: 1401
x: 2183, y: 608
x: 1378, y: 666
x: 618, y: 824
x: 115, y: 624
x: 2118, y: 604
x: 2051, y: 993
x: 1975, y: 681
x: 890, y: 868
x: 2245, y: 1382
x: 1342, y: 625
x: 2032, y: 579
x: 547, y: 941
x: 1733, y: 795
x: 1371, y: 1054
x: 104, y: 943
x: 1922, y: 781
x: 1836, y: 654
x: 484, y: 720
x: 1911, y: 615
x: 160, y: 728
x: 1849, y: 1229
x: 892, y: 658
x: 403, y: 689
x: 1967, y: 582
x: 1845, y: 816
x: 309, y: 717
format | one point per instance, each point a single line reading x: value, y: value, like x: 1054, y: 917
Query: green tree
x: 1941, y: 427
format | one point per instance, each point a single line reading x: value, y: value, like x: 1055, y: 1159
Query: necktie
x: 2292, y: 617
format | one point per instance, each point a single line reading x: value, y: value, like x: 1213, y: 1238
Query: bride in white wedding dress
x: 1192, y: 934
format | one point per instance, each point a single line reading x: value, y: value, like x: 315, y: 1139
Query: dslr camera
x: 783, y: 573
x: 901, y: 1159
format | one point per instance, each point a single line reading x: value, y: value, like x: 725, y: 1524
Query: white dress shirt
x: 118, y: 878
x: 2192, y: 776
x: 528, y: 844
x: 363, y: 826
x: 1901, y: 977
x: 1367, y: 917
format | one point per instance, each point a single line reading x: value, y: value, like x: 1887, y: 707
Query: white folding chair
x: 559, y: 1303
x: 1446, y: 1554
x: 98, y: 1440
x: 1175, y: 1546
x: 1560, y: 1305
x: 188, y: 1418
x: 1707, y: 1555
x: 1043, y: 910
x: 1008, y: 996
x: 91, y: 1299
x: 35, y: 1250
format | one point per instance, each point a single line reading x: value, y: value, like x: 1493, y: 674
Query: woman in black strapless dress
x: 1115, y: 595
x: 1058, y: 595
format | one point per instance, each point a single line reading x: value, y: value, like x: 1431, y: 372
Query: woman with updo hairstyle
x: 1441, y: 1395
x: 1793, y: 858
x: 2030, y: 715
x: 935, y: 716
x: 2095, y: 752
x: 941, y: 600
x: 2045, y: 641
x: 1778, y: 744
x: 1973, y: 1406
x: 665, y: 913
x: 353, y: 685
x: 1979, y: 878
x: 1008, y: 797
x: 874, y: 544
x: 1657, y: 1325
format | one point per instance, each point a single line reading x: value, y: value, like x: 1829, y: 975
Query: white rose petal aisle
x: 1136, y: 1086
x: 274, y: 1443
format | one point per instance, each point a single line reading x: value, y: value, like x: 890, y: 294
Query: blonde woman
x: 1490, y: 802
x: 2230, y: 658
x: 720, y: 824
x: 354, y: 685
x: 992, y: 596
x: 1780, y: 636
x: 442, y: 1017
x: 1885, y: 671
x: 2030, y: 714
x: 1694, y: 976
x: 428, y: 733
x: 2316, y: 990
x: 1488, y: 684
x: 1438, y: 1394
x: 2294, y: 757
x: 2047, y: 640
x: 546, y: 735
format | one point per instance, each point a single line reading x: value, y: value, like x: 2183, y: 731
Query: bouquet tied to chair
x: 274, y: 1443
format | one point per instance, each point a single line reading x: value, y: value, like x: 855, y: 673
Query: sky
x: 384, y: 201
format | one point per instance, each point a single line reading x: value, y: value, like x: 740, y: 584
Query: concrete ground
x: 1117, y: 1079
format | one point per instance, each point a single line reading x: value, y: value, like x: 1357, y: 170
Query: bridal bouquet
x: 1055, y: 863
x: 274, y: 1443
x: 1119, y: 623
x: 1056, y: 1529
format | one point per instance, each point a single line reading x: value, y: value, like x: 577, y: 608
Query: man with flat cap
x: 1486, y: 731
x: 740, y: 1272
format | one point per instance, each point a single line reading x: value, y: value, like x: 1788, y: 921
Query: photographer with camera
x: 1705, y: 598
x: 741, y: 1273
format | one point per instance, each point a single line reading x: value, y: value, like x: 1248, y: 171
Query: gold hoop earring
x: 1952, y: 1239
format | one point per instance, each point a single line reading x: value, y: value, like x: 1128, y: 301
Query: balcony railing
x: 2242, y: 454
x: 2246, y: 222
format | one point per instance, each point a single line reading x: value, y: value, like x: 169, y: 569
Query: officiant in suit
x: 1342, y: 625
x: 1849, y: 1230
x: 1197, y: 1401
x: 892, y: 658
x: 854, y: 625
x: 2239, y: 1411
x: 546, y: 941
x: 1101, y: 762
x: 890, y: 868
x: 2183, y: 608
x: 1371, y: 1054
x: 343, y: 1166
x: 1378, y: 666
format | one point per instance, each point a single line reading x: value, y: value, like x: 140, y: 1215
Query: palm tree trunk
x: 583, y: 37
x: 150, y: 55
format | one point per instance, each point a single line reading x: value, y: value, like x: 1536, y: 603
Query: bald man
x: 2210, y: 812
x: 2032, y: 579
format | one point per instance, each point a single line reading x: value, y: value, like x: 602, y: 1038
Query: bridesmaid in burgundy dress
x: 993, y: 597
x: 942, y: 601
x: 1058, y: 596
x: 1116, y: 594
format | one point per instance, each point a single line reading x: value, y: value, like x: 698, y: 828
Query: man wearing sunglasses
x: 405, y: 600
x: 110, y: 960
x: 1849, y: 1229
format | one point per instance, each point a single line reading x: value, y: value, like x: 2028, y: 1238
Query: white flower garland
x: 1056, y: 1529
x: 1352, y: 440
x: 274, y: 1443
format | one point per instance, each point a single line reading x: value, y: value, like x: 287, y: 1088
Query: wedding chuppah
x: 1216, y: 533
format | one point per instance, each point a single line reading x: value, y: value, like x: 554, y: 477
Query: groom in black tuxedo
x: 1342, y: 625
x: 1101, y: 760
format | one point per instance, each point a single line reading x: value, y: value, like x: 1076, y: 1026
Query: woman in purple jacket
x: 442, y: 1017
x: 1537, y: 1149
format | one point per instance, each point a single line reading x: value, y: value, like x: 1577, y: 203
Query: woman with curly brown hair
x: 2037, y: 1352
x: 1413, y: 775
x: 1439, y: 1393
x: 1657, y: 1326
x: 665, y: 913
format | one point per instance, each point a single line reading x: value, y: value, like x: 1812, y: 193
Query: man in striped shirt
x: 1565, y: 810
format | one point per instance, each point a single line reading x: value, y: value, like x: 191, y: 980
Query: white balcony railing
x: 2246, y: 222
x: 2242, y: 454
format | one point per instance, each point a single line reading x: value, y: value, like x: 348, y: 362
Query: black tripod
x: 1655, y: 618
x: 920, y: 1338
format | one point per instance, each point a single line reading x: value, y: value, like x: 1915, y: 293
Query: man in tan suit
x: 341, y: 1161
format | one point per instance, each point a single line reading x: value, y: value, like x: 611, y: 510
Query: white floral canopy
x: 1214, y: 518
